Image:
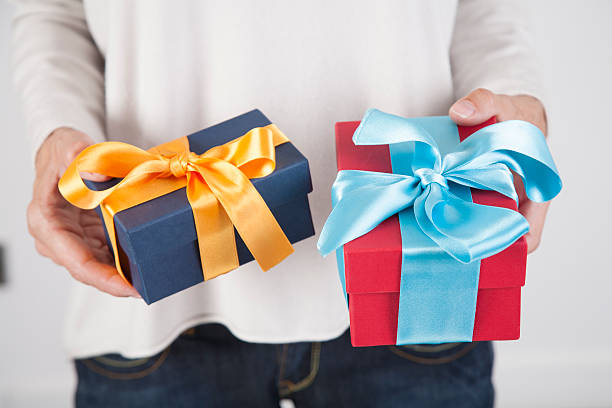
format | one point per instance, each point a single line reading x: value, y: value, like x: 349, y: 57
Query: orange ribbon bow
x: 218, y: 188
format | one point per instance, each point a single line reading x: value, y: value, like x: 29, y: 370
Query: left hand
x: 482, y: 104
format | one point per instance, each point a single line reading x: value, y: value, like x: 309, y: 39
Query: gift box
x: 157, y: 241
x: 386, y: 258
x: 372, y: 262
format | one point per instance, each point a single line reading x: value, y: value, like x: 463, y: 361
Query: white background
x: 564, y: 358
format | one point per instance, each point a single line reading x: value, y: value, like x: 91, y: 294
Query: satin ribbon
x: 218, y: 189
x: 444, y: 234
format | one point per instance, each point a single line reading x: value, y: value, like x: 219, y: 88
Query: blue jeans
x: 208, y: 367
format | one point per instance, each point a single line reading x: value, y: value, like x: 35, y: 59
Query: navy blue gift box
x: 156, y: 240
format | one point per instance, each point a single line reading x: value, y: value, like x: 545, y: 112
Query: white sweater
x: 149, y: 71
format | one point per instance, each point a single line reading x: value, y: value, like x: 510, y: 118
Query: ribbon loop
x: 218, y: 189
x: 356, y: 193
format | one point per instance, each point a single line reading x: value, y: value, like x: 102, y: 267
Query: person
x: 149, y: 71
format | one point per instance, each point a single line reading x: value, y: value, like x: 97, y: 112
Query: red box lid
x: 374, y: 259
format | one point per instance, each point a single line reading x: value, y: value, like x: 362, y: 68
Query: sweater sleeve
x: 58, y: 70
x: 491, y: 49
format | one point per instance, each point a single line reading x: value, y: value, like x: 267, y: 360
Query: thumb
x: 475, y: 108
x: 75, y: 143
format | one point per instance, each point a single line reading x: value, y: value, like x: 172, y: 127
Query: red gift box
x: 372, y: 262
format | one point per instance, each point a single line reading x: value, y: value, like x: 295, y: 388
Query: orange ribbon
x: 218, y: 188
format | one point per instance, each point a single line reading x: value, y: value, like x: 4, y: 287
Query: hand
x: 482, y: 104
x: 71, y: 237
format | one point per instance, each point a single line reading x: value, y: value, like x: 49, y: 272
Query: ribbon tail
x: 341, y: 271
x: 467, y: 231
x: 109, y: 223
x: 214, y: 229
x: 437, y: 298
x: 248, y: 212
x: 261, y: 232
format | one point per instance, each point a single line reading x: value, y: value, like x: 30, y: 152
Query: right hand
x: 71, y: 237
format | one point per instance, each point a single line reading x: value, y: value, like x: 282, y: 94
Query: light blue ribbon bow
x: 429, y: 188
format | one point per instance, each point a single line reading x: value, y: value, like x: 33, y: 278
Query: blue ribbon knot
x: 428, y: 176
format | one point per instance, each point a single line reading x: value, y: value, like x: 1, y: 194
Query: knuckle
x: 81, y: 270
x: 535, y: 113
x: 483, y: 96
x: 482, y: 92
x: 78, y: 276
x: 71, y: 153
x: 33, y: 216
x: 41, y: 249
x: 533, y: 242
x: 74, y: 149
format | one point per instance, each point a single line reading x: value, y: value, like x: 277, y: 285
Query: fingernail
x: 464, y: 108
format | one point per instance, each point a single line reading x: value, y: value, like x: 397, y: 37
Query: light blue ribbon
x: 444, y: 234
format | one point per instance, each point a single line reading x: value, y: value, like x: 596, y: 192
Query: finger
x: 104, y: 277
x: 479, y: 106
x: 535, y: 214
x: 71, y: 252
x: 45, y: 185
x: 71, y: 151
x: 45, y: 191
x: 94, y: 176
x: 42, y: 249
x: 104, y: 255
x: 526, y: 108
